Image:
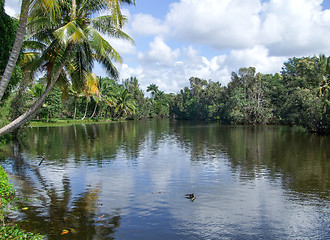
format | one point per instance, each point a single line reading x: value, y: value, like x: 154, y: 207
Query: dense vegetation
x: 299, y: 95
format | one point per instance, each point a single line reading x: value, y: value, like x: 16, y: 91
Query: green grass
x: 9, y: 231
x: 67, y: 122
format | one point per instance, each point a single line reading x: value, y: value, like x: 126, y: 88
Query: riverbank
x: 9, y: 230
x: 68, y: 122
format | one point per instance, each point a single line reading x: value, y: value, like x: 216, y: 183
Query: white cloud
x: 285, y: 27
x: 258, y: 57
x: 220, y: 24
x: 295, y: 27
x: 122, y: 46
x: 159, y: 53
x: 146, y: 24
x: 175, y: 74
x: 170, y: 71
x: 12, y: 7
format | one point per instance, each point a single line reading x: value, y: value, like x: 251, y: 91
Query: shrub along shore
x: 7, y: 195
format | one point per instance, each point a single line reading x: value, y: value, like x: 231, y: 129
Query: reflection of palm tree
x: 56, y: 214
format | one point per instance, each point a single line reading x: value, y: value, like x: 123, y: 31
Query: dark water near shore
x: 129, y: 180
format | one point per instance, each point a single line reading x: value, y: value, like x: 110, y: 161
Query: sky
x: 209, y: 39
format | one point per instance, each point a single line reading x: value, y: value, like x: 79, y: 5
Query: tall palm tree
x: 74, y: 43
x: 49, y: 8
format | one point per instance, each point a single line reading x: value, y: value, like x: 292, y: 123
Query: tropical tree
x: 109, y: 89
x: 125, y: 104
x: 49, y: 8
x: 74, y: 43
x: 91, y: 90
x: 155, y: 92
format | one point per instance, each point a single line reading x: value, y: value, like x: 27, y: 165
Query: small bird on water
x: 191, y: 196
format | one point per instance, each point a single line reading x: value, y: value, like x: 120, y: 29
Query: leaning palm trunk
x: 21, y: 29
x: 29, y: 114
x: 85, y: 110
x: 100, y: 112
x: 94, y: 111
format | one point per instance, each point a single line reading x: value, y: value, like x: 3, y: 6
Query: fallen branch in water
x: 43, y: 158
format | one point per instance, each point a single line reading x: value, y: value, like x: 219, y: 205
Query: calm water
x: 129, y: 180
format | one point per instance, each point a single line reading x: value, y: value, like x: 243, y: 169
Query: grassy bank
x: 9, y: 230
x: 68, y: 122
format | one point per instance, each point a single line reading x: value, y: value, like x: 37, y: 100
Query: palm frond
x: 63, y: 34
x: 107, y: 25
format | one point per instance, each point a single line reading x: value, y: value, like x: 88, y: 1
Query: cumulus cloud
x: 220, y: 24
x: 175, y: 74
x: 12, y: 7
x: 286, y: 27
x: 146, y: 24
x: 258, y: 57
x: 122, y: 46
x: 159, y: 53
x: 295, y: 27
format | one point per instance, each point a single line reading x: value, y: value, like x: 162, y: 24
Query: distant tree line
x: 299, y: 95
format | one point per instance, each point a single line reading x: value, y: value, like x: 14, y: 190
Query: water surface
x: 129, y: 180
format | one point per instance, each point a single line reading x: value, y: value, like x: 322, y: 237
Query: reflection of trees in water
x: 95, y: 143
x: 53, y: 210
x: 301, y: 159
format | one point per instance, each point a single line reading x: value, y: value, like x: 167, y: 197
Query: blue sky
x: 178, y: 39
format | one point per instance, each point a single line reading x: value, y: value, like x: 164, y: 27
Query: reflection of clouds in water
x: 117, y: 184
x: 227, y: 212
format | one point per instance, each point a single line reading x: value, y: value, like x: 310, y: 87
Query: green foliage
x: 52, y: 106
x: 202, y: 101
x: 7, y: 191
x: 8, y: 28
x: 8, y: 31
x: 13, y: 232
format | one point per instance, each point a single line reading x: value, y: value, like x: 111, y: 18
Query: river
x: 129, y: 180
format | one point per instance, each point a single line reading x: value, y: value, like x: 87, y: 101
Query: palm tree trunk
x: 85, y: 110
x: 29, y: 114
x: 100, y: 111
x: 94, y: 110
x: 21, y: 29
x: 75, y: 107
x: 47, y: 115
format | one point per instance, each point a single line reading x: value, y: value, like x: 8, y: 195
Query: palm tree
x: 49, y: 8
x: 91, y: 90
x: 107, y: 90
x: 125, y: 104
x: 74, y: 43
x: 324, y: 74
